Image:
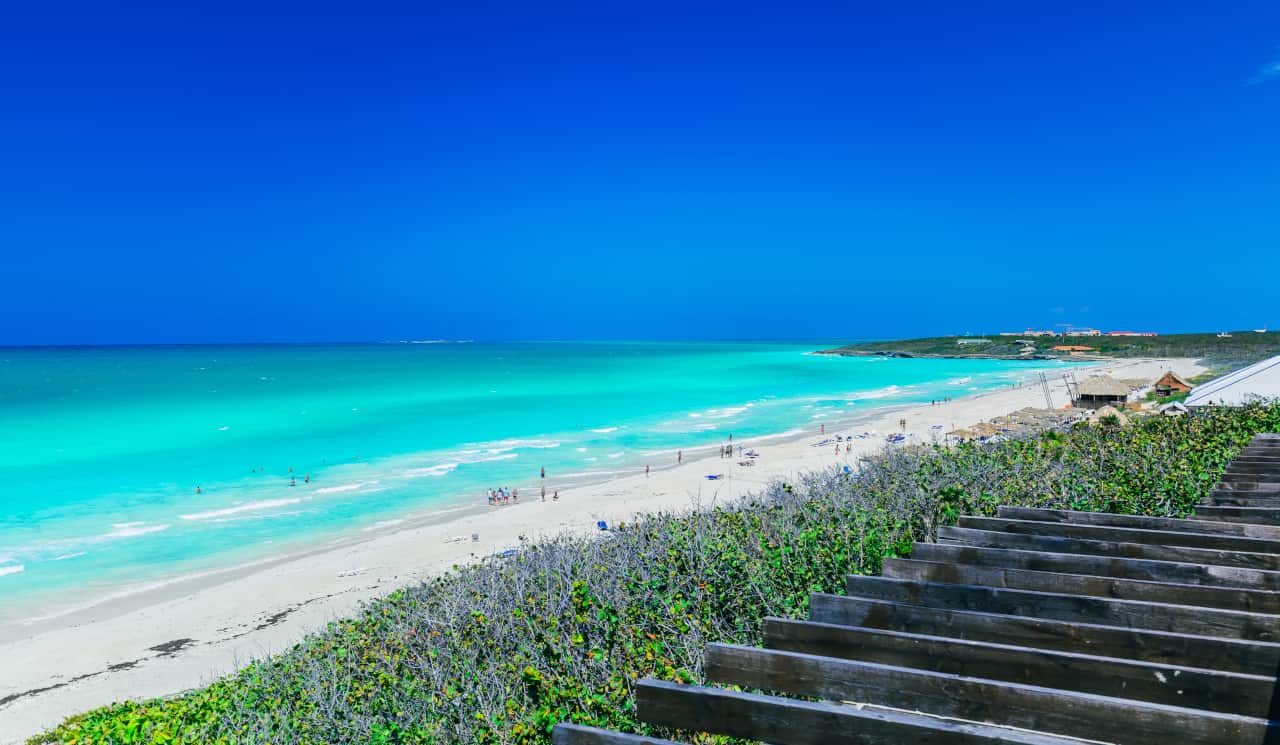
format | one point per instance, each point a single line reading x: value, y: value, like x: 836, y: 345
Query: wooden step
x: 782, y: 721
x: 1158, y: 647
x: 1252, y: 489
x: 576, y: 734
x: 1127, y: 535
x: 1035, y: 708
x: 1225, y: 598
x: 1078, y: 608
x: 1213, y: 690
x: 1239, y: 499
x: 1236, y: 514
x: 1143, y: 522
x: 1254, y: 469
x: 1103, y: 566
x: 1218, y: 557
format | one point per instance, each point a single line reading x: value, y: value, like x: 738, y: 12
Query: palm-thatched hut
x: 1101, y: 390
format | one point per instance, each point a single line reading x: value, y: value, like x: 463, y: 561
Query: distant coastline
x: 1219, y: 351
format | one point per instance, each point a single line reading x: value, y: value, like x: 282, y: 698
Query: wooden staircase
x: 1035, y: 627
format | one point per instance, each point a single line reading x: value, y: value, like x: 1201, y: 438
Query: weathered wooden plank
x: 1103, y: 566
x: 790, y: 722
x: 1176, y: 596
x: 997, y: 539
x: 1253, y: 470
x: 1064, y: 607
x: 1231, y: 693
x: 1235, y: 514
x: 1142, y: 522
x: 1252, y: 487
x: 1127, y: 535
x: 576, y: 734
x: 1166, y: 648
x: 1248, y: 482
x: 1227, y: 499
x: 1125, y: 721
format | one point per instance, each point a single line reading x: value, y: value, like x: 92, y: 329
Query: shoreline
x: 190, y: 630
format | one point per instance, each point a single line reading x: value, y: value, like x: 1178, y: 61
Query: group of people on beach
x: 503, y: 495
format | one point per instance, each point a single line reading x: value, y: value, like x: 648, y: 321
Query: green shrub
x: 501, y: 651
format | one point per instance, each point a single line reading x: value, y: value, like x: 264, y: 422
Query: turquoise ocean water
x: 102, y: 449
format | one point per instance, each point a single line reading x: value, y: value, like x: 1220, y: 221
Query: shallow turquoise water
x: 101, y: 449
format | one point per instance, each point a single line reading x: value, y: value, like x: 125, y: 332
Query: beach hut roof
x: 1110, y: 411
x: 1103, y: 385
x: 1172, y: 377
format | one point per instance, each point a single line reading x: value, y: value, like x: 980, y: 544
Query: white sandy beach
x: 175, y: 636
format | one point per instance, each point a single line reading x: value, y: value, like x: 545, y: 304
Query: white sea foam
x: 603, y: 430
x: 12, y: 570
x: 223, y: 429
x: 133, y: 530
x: 888, y: 391
x: 581, y: 450
x: 440, y: 470
x: 265, y: 504
x: 616, y: 455
x: 514, y: 443
x: 726, y: 412
x: 339, y: 489
x: 68, y: 556
x: 960, y: 381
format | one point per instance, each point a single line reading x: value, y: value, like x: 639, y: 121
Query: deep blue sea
x: 102, y: 449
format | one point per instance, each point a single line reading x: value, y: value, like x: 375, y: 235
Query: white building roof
x: 1257, y: 381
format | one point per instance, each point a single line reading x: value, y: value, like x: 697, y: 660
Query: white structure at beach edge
x: 1257, y: 382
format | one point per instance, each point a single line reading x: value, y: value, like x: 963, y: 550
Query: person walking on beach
x: 544, y: 472
x: 679, y: 457
x: 556, y: 496
x: 544, y: 492
x: 823, y: 429
x: 646, y: 472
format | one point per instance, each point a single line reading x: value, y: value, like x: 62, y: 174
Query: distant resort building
x: 1170, y: 384
x: 1131, y: 333
x: 1084, y: 332
x: 1257, y: 382
x: 1100, y: 391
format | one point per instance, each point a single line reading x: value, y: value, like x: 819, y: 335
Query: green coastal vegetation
x: 1237, y: 349
x: 501, y: 651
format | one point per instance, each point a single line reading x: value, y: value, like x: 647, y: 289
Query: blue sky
x: 226, y: 172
